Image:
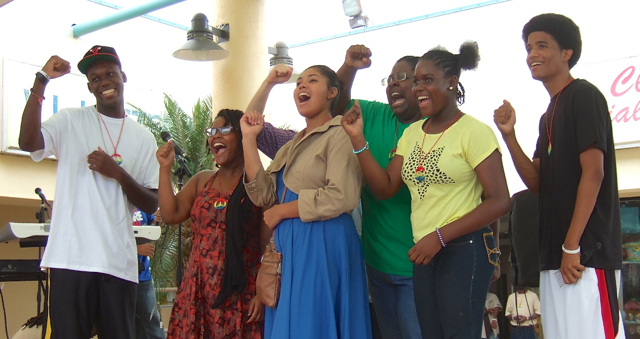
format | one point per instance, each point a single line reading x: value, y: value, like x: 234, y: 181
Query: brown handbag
x: 269, y: 276
x: 270, y: 272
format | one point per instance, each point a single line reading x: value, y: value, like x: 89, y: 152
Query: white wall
x: 609, y: 48
x: 33, y: 30
x: 610, y: 45
x: 30, y: 32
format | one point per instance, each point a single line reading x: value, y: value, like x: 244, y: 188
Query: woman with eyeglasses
x: 452, y: 166
x: 216, y: 298
x: 311, y: 186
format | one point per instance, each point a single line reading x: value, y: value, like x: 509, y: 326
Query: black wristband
x: 41, y: 77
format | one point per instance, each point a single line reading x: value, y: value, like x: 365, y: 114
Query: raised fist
x: 56, y: 67
x: 165, y: 155
x: 280, y: 74
x: 251, y: 124
x: 352, y: 121
x: 505, y: 118
x: 358, y: 56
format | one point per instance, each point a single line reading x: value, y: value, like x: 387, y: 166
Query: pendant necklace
x: 221, y: 203
x: 115, y: 156
x: 395, y: 144
x: 553, y: 113
x: 421, y: 173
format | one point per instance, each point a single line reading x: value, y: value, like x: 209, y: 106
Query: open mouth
x: 534, y: 64
x: 303, y: 97
x: 422, y: 99
x: 397, y: 99
x: 219, y: 148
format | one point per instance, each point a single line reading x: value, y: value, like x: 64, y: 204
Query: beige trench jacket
x: 320, y: 167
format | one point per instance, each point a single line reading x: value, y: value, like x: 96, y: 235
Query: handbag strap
x: 272, y: 240
x: 284, y: 193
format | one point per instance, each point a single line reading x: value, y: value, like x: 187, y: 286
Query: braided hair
x: 452, y: 64
x: 231, y: 117
x: 410, y: 59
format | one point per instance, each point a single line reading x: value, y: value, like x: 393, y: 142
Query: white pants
x: 573, y: 311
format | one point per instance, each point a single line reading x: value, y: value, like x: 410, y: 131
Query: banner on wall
x: 67, y: 91
x: 619, y: 81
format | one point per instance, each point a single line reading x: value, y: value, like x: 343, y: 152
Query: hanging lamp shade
x: 200, y: 45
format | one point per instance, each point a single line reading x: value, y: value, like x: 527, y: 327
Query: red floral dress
x: 192, y: 315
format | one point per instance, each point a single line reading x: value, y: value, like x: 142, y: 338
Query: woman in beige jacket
x: 311, y: 186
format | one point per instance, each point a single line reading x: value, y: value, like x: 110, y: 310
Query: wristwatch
x: 42, y: 77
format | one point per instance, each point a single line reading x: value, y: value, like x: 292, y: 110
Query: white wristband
x: 570, y: 251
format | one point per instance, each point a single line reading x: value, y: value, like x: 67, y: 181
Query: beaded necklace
x: 115, y: 156
x: 420, y: 174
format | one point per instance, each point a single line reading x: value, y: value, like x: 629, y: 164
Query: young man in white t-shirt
x: 523, y: 311
x: 492, y: 307
x: 106, y: 166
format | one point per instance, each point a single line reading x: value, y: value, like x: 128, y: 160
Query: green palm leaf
x: 188, y: 130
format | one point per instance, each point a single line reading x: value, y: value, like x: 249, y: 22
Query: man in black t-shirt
x: 574, y: 172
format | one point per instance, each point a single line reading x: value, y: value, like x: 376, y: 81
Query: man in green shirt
x: 386, y: 224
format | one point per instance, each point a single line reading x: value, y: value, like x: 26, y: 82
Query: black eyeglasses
x: 224, y: 130
x: 402, y: 76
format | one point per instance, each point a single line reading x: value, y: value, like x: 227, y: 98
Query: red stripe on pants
x: 605, y: 307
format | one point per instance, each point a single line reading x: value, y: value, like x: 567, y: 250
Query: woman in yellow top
x: 313, y: 183
x: 452, y: 165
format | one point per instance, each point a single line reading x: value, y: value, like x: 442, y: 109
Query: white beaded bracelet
x: 570, y: 251
x: 441, y: 239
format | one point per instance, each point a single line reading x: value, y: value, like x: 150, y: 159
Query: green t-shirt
x: 386, y: 224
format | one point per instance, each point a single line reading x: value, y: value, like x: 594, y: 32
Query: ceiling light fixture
x: 200, y: 45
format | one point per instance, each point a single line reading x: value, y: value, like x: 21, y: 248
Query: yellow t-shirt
x: 444, y: 186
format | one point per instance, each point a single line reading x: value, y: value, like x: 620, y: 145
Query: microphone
x: 41, y: 195
x: 164, y: 135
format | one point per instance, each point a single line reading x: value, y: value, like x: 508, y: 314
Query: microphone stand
x: 41, y: 216
x: 180, y: 172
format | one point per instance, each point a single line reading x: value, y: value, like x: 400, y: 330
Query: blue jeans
x: 451, y: 290
x: 523, y: 332
x: 147, y: 317
x: 394, y: 305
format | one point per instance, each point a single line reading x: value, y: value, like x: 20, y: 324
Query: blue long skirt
x: 324, y: 290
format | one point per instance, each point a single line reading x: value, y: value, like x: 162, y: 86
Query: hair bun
x: 469, y: 55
